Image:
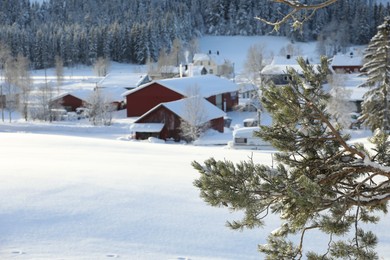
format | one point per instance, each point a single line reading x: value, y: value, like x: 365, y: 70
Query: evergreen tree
x: 320, y: 182
x: 375, y: 107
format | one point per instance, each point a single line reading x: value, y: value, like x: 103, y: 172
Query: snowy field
x: 69, y: 190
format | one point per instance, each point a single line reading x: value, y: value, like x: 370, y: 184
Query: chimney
x: 217, y: 52
x: 288, y: 56
x: 209, y: 51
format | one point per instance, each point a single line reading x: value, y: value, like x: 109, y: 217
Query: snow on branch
x: 297, y: 8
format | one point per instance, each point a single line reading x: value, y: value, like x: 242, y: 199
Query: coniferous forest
x: 80, y: 31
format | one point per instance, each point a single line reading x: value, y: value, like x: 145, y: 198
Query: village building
x: 123, y: 80
x: 164, y: 120
x: 214, y: 63
x: 277, y: 70
x: 72, y: 100
x: 351, y: 63
x: 221, y: 92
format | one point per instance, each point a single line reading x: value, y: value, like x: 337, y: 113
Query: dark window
x: 240, y: 140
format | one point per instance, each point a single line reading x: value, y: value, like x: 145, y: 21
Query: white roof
x: 82, y: 94
x: 218, y: 59
x: 347, y: 60
x: 122, y: 79
x: 113, y: 93
x: 146, y: 127
x: 179, y: 107
x: 280, y: 64
x: 246, y: 131
x: 205, y: 85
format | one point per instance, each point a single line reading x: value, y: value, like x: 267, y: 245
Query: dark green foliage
x: 320, y: 181
x: 375, y: 107
x: 80, y: 31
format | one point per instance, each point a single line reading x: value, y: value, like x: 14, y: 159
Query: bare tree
x: 24, y: 83
x: 59, y: 71
x: 339, y: 106
x: 254, y: 62
x: 11, y: 91
x: 101, y: 66
x: 193, y: 47
x: 194, y: 120
x: 42, y: 109
x: 100, y: 108
x: 5, y: 54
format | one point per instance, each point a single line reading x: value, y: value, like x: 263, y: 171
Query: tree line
x: 137, y: 31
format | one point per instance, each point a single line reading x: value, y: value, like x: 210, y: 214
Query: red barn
x: 164, y: 121
x: 71, y: 101
x: 221, y: 92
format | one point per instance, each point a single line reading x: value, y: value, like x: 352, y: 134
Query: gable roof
x: 280, y: 64
x: 123, y: 80
x: 178, y: 107
x: 112, y: 94
x: 206, y: 85
x: 347, y: 60
x: 82, y: 94
x: 218, y: 59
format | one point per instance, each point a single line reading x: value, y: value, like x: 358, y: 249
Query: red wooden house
x: 221, y: 92
x: 164, y: 120
x: 70, y: 101
x: 347, y: 63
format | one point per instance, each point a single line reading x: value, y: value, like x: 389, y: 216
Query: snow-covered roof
x: 179, y: 107
x: 82, y: 94
x: 210, y: 111
x: 280, y: 64
x: 146, y: 127
x: 218, y: 59
x: 205, y: 85
x: 113, y: 93
x: 123, y: 79
x: 245, y: 131
x: 347, y: 60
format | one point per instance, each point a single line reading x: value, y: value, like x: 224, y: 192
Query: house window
x: 240, y: 140
x: 211, y: 71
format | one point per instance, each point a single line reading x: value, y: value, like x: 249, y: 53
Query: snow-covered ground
x: 69, y: 190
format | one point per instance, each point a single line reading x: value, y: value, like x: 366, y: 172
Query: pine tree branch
x: 300, y: 247
x: 336, y: 133
x: 296, y: 8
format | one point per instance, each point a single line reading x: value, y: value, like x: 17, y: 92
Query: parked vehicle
x: 245, y: 138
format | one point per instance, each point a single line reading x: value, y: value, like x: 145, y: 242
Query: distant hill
x: 141, y: 30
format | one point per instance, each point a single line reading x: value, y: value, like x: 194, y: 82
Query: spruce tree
x: 375, y: 107
x: 320, y: 182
